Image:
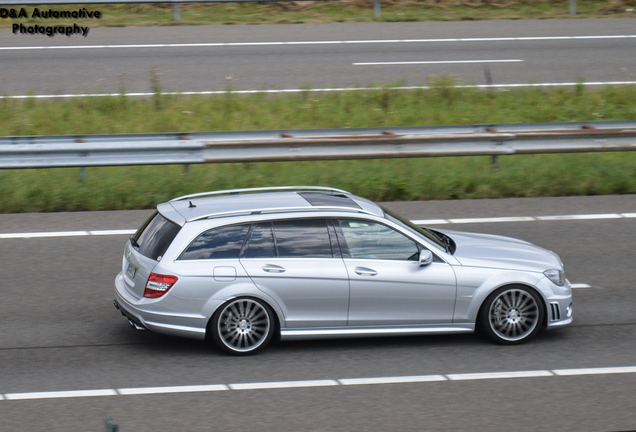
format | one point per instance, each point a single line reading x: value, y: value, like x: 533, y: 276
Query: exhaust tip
x: 135, y: 325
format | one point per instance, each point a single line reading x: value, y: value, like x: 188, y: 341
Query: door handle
x: 271, y: 268
x: 363, y: 271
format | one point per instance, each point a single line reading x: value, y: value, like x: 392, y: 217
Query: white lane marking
x: 283, y: 384
x: 523, y: 219
x: 493, y: 219
x: 498, y: 375
x: 416, y: 222
x: 1, y: 397
x: 579, y: 285
x: 172, y: 389
x: 45, y: 234
x: 435, y: 62
x: 113, y: 232
x: 317, y: 90
x: 325, y: 42
x: 65, y: 234
x: 595, y: 371
x: 580, y: 217
x: 60, y: 394
x: 430, y: 221
x: 322, y: 383
x: 392, y: 380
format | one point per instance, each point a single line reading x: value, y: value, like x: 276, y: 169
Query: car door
x: 298, y: 263
x: 388, y: 286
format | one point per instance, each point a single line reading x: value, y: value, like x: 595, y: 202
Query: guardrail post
x: 572, y: 7
x: 494, y: 160
x: 176, y: 11
x: 376, y: 9
x: 82, y: 174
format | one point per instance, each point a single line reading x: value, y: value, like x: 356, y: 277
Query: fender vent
x: 556, y: 312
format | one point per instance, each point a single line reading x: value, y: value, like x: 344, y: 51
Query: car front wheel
x: 512, y: 315
x: 242, y: 326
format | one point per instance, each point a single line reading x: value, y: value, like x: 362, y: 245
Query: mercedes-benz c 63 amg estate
x: 240, y: 267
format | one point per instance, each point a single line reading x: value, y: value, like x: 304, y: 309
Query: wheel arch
x: 543, y: 305
x: 272, y: 305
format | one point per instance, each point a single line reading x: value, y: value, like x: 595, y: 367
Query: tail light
x: 158, y: 285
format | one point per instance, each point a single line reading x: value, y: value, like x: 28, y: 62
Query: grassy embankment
x: 332, y: 11
x: 398, y: 179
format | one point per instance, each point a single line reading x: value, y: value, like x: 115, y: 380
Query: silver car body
x: 319, y: 297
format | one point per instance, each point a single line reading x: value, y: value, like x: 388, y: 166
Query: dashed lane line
x: 595, y: 371
x: 283, y: 385
x: 417, y: 222
x: 66, y: 234
x: 321, y: 383
x: 172, y: 389
x: 399, y: 63
x: 524, y: 219
x: 392, y: 380
x: 499, y: 375
x: 61, y: 394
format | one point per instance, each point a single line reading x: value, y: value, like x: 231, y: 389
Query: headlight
x: 556, y: 276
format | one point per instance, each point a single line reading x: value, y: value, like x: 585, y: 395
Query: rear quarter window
x: 217, y: 243
x: 155, y: 236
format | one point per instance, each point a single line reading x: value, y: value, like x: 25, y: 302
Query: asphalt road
x: 59, y: 331
x: 249, y: 57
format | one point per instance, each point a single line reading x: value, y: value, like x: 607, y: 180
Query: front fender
x: 475, y: 284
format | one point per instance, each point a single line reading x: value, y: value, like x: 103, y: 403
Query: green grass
x: 397, y: 179
x: 332, y: 11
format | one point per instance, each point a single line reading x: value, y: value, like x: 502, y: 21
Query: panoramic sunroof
x: 321, y: 199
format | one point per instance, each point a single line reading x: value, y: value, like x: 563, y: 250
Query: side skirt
x: 313, y: 333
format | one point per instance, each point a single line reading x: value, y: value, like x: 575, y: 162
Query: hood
x: 487, y: 250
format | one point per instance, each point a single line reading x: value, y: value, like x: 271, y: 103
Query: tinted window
x: 155, y: 236
x: 217, y: 243
x: 261, y: 244
x: 371, y: 240
x: 302, y: 238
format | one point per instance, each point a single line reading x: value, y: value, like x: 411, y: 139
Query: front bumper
x: 559, y: 306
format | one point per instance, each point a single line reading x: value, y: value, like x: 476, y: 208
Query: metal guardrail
x: 318, y: 144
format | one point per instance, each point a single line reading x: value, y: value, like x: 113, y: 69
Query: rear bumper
x: 140, y: 313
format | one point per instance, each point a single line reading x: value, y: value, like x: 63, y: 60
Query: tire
x: 512, y: 315
x: 242, y: 326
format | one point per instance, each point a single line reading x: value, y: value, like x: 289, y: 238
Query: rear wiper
x: 134, y: 242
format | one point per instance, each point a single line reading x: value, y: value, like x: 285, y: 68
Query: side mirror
x: 426, y: 257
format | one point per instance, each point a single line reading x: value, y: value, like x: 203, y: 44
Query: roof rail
x: 270, y: 210
x: 261, y: 189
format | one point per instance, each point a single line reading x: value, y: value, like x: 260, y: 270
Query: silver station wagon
x: 240, y: 267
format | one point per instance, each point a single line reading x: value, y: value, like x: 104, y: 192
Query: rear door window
x: 217, y: 243
x: 302, y: 238
x: 261, y: 243
x: 155, y: 236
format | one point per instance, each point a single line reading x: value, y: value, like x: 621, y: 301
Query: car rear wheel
x: 242, y: 326
x: 512, y: 315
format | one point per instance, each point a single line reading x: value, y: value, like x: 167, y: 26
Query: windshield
x: 415, y: 229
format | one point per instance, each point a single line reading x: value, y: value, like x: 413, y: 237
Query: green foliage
x: 391, y: 179
x: 160, y: 14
